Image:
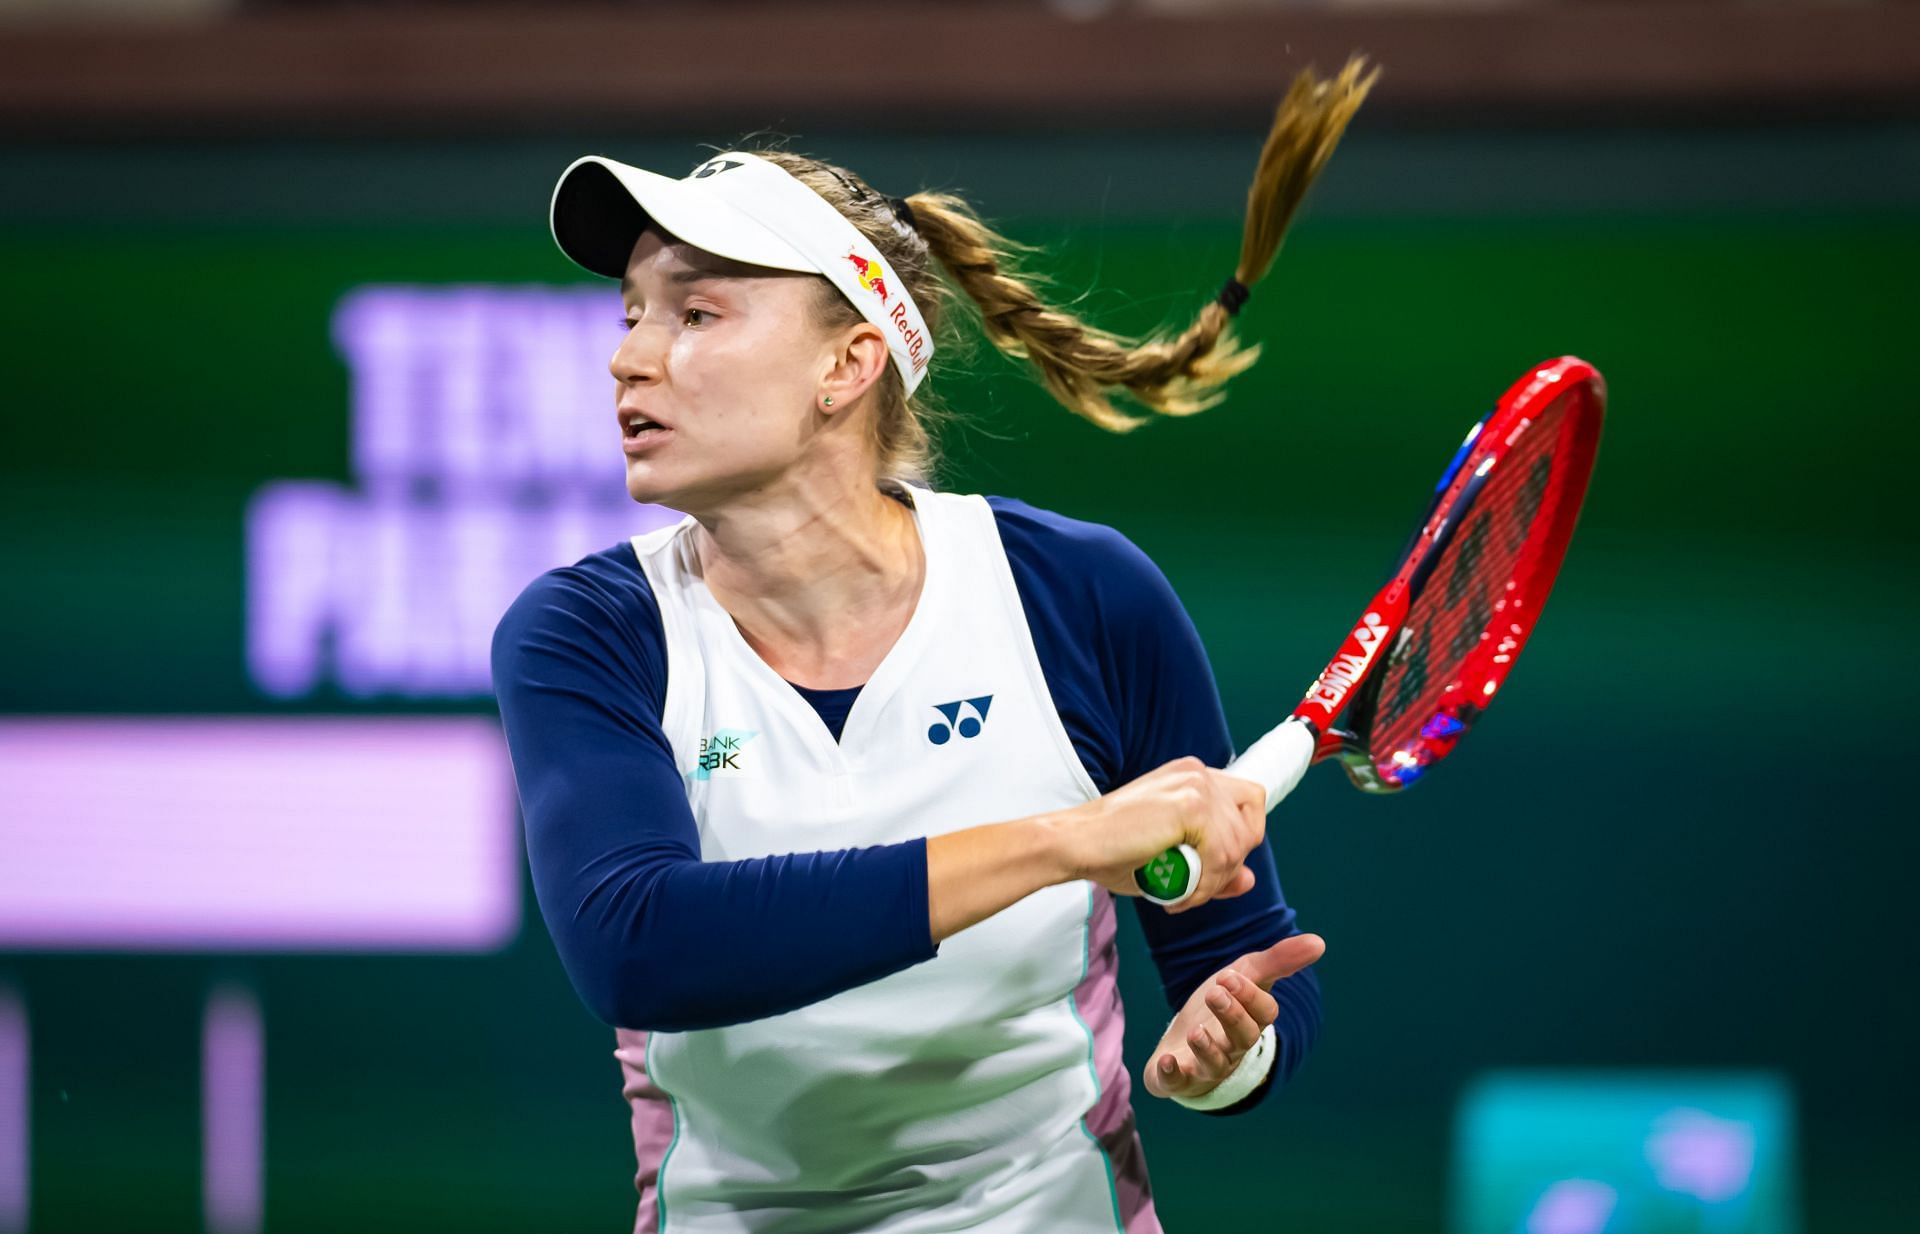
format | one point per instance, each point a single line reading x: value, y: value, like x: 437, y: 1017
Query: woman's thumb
x: 1240, y: 884
x: 1283, y: 959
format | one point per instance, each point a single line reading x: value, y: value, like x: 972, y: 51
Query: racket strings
x: 1480, y: 572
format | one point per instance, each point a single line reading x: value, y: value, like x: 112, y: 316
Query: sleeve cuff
x: 1243, y: 1079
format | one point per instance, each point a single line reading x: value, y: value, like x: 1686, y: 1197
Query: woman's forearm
x: 975, y: 872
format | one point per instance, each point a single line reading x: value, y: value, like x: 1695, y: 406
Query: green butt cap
x: 1166, y: 876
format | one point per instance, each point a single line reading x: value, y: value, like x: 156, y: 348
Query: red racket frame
x: 1351, y: 672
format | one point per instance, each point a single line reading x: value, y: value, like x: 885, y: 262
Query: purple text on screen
x: 485, y: 450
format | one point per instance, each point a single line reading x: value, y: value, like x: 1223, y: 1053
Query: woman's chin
x: 648, y: 496
x: 646, y: 489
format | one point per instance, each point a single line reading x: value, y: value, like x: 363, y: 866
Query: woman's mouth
x: 643, y: 435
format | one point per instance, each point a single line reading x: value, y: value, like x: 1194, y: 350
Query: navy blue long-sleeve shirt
x: 653, y: 937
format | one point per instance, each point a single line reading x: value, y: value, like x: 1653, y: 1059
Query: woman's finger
x: 1235, y: 1021
x: 1262, y: 1006
x: 1209, y: 1054
x: 1185, y: 1072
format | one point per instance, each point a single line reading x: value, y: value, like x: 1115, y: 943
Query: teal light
x: 1646, y: 1152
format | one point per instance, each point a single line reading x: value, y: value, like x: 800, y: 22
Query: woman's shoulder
x: 1033, y: 527
x: 603, y: 593
x: 1091, y: 560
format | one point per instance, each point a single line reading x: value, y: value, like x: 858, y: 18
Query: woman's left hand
x: 1224, y: 1018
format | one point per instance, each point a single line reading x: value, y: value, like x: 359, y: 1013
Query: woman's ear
x: 857, y: 364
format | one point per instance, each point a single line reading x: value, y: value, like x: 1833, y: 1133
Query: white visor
x: 740, y: 206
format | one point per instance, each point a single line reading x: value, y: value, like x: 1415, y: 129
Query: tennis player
x: 830, y: 787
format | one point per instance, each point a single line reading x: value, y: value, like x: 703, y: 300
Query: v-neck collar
x: 885, y: 679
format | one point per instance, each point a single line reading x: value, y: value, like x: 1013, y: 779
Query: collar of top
x: 741, y: 206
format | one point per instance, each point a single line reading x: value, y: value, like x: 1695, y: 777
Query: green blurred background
x: 1676, y: 842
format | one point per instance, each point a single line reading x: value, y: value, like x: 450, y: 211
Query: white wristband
x: 1243, y: 1079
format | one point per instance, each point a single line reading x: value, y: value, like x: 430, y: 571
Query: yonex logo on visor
x: 756, y: 213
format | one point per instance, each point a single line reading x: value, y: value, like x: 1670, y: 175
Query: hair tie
x: 859, y: 191
x: 903, y: 211
x: 1233, y: 295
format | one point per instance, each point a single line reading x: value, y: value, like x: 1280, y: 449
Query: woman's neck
x: 821, y: 586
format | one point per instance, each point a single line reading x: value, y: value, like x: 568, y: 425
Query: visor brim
x: 601, y: 206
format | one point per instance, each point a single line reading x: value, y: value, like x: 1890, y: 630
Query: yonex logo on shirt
x: 722, y: 752
x: 969, y: 726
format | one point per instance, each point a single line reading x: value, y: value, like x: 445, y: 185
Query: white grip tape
x: 1277, y: 760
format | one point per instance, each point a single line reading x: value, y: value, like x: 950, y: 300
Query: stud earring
x: 829, y: 400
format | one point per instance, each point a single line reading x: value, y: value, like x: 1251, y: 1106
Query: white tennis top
x: 954, y: 1095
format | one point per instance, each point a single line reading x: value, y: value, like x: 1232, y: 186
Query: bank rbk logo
x: 724, y: 753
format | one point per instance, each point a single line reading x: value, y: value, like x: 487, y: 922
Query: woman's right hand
x: 1181, y: 802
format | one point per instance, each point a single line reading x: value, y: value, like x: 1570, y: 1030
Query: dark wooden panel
x: 676, y: 68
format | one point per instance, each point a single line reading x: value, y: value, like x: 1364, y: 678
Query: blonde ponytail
x: 1178, y: 376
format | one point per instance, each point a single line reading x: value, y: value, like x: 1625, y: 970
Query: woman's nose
x: 639, y: 355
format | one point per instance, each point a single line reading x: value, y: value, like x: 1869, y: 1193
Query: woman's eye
x: 627, y: 323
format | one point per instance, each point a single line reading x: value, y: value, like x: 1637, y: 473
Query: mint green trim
x: 1086, y: 962
x: 660, y: 1174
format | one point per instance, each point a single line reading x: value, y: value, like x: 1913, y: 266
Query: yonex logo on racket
x: 967, y: 726
x: 1350, y: 665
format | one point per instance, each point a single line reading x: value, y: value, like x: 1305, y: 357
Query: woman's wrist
x: 1243, y: 1079
x: 1056, y: 841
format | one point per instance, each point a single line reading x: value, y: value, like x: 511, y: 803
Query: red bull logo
x: 870, y: 274
x: 915, y: 341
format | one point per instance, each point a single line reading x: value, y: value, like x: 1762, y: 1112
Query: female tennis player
x: 830, y: 786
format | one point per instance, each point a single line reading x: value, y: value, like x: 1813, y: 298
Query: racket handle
x: 1276, y: 761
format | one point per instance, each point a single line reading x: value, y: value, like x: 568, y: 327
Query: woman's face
x: 728, y: 360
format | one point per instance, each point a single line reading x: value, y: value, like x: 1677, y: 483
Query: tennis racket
x: 1435, y: 645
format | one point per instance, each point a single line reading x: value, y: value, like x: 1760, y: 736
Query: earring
x: 829, y: 400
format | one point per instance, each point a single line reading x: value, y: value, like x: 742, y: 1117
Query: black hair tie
x: 1233, y: 295
x: 903, y: 211
x: 859, y: 191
